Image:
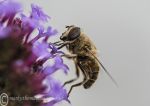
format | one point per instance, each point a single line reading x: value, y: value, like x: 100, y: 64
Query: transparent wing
x: 103, y: 67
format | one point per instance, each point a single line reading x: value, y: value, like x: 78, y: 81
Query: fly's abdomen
x: 90, y: 67
x: 91, y: 80
x: 92, y: 76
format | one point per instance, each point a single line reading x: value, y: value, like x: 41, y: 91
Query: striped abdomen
x: 91, y: 68
x: 91, y: 80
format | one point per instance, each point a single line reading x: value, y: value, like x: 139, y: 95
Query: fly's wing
x: 89, y: 51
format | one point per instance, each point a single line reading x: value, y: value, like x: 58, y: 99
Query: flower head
x: 22, y: 69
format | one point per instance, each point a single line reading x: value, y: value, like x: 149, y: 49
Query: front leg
x: 61, y: 45
x: 69, y: 56
x: 85, y: 74
x: 57, y: 42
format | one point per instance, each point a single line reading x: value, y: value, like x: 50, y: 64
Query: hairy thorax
x: 80, y: 44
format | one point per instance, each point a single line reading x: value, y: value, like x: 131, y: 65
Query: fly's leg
x: 84, y: 80
x: 69, y: 56
x: 77, y: 74
x: 61, y: 45
x: 72, y: 56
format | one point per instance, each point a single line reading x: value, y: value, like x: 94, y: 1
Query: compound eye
x: 74, y: 33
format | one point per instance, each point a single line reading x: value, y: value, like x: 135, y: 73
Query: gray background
x: 121, y: 30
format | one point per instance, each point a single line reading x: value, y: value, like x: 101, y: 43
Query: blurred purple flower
x: 50, y: 31
x: 55, y: 90
x: 28, y: 22
x: 38, y: 14
x: 8, y: 9
x: 22, y: 69
x: 58, y: 64
x: 41, y: 49
x: 3, y: 31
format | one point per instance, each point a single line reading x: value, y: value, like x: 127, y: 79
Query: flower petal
x: 38, y: 14
x: 56, y: 90
x: 58, y: 65
x: 41, y: 49
x: 9, y: 7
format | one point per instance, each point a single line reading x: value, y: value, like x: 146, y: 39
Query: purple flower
x: 38, y: 14
x: 3, y: 31
x: 55, y: 90
x: 42, y: 34
x: 50, y: 31
x: 41, y: 49
x: 22, y: 60
x: 54, y: 49
x: 8, y: 9
x: 28, y: 22
x: 58, y: 64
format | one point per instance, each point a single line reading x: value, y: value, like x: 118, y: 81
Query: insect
x: 84, y: 54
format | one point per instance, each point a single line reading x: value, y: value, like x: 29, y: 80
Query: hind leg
x: 77, y: 74
x: 81, y: 83
x: 72, y: 56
